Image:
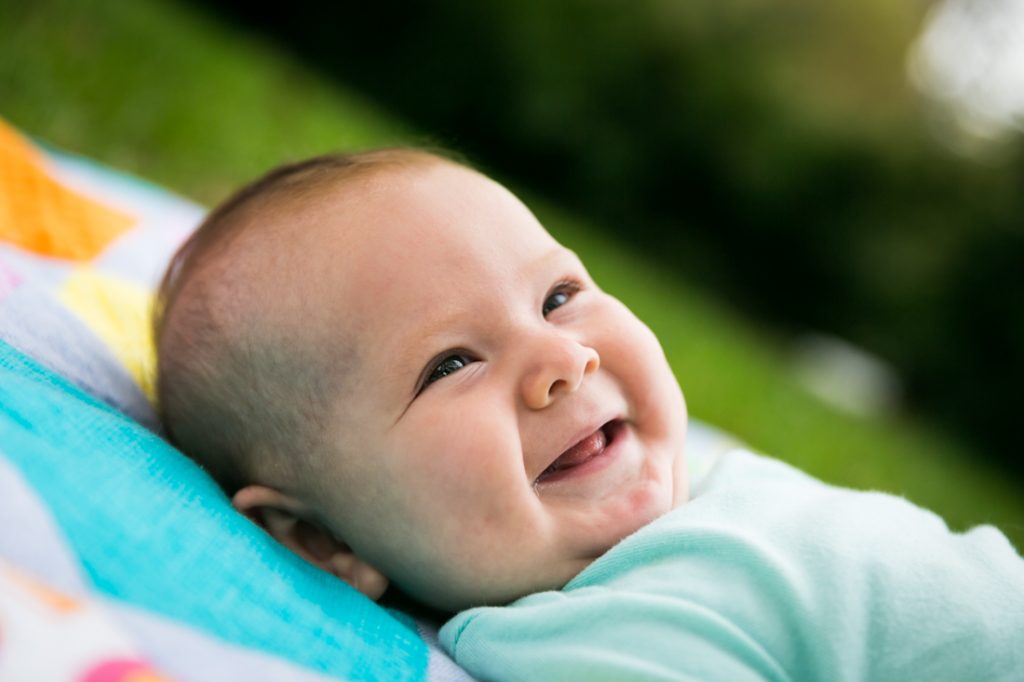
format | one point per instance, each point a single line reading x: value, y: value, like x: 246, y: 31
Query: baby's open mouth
x: 590, y: 447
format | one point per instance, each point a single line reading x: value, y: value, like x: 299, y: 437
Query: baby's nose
x: 557, y: 366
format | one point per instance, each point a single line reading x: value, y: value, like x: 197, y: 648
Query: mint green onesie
x: 769, y: 574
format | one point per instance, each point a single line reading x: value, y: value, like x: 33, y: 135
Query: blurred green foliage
x: 160, y: 89
x: 774, y: 152
x: 157, y: 89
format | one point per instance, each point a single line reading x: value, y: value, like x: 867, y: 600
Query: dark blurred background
x: 823, y: 166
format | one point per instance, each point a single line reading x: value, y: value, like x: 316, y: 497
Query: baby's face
x: 506, y: 421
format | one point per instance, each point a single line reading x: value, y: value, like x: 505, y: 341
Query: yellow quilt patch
x: 118, y: 312
x: 40, y: 215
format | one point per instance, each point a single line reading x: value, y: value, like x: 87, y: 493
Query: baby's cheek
x: 635, y: 352
x: 628, y: 332
x: 463, y: 503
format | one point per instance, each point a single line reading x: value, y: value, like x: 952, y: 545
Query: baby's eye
x: 559, y: 296
x: 450, y: 364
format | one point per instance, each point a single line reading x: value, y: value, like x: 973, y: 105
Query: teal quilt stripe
x: 152, y: 529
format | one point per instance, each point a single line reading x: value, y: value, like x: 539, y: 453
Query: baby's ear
x: 287, y: 520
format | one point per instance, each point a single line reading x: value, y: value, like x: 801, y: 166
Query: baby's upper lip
x: 590, y: 426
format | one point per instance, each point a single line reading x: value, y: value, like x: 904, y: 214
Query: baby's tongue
x: 582, y: 451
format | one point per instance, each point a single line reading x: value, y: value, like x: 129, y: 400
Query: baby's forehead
x: 392, y: 251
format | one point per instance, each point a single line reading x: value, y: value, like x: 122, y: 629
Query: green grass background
x: 165, y: 92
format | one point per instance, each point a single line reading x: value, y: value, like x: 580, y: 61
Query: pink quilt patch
x: 9, y: 280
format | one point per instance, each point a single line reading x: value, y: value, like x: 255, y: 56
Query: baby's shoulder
x: 769, y: 517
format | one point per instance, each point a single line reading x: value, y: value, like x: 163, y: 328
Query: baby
x: 396, y: 371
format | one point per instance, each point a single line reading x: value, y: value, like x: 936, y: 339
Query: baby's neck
x: 394, y: 598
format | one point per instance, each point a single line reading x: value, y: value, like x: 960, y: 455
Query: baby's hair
x: 236, y: 398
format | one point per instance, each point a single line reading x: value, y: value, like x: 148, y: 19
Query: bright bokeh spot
x: 970, y: 56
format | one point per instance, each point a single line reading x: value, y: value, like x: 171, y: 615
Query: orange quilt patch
x: 39, y: 214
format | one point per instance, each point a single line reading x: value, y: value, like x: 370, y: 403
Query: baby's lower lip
x: 573, y: 462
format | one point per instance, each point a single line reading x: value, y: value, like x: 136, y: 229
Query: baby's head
x: 395, y: 370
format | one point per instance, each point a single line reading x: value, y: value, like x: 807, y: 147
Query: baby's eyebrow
x: 546, y: 261
x: 440, y: 324
x: 437, y: 325
x: 411, y: 361
x: 421, y: 341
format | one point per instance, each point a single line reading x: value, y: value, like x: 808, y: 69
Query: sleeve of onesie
x: 769, y: 574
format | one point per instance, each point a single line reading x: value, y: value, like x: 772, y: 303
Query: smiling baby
x: 396, y: 371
